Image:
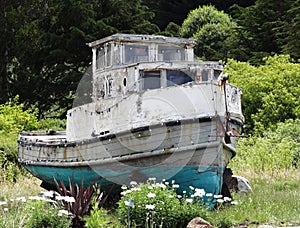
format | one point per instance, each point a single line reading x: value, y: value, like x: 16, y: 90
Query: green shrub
x: 270, y: 92
x: 43, y: 214
x: 157, y: 204
x: 14, y: 119
x: 99, y: 217
x: 277, y: 149
x: 52, y: 123
x: 9, y: 166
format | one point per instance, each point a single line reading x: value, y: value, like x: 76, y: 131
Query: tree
x: 262, y: 28
x: 210, y: 28
x: 176, y: 11
x: 7, y: 29
x: 291, y: 30
x: 46, y: 54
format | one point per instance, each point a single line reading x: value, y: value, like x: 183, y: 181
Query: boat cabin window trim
x: 104, y: 56
x: 170, y: 53
x: 136, y: 53
x: 150, y: 80
x: 177, y: 77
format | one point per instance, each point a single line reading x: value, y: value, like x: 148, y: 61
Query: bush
x: 43, y: 214
x: 52, y: 123
x: 277, y: 149
x: 14, y: 119
x: 99, y: 217
x: 270, y: 92
x: 157, y: 204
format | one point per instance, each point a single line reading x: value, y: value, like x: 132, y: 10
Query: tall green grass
x: 274, y: 201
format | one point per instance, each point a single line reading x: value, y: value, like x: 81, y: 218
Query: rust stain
x: 65, y: 153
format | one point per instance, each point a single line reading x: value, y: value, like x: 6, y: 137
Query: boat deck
x: 46, y: 137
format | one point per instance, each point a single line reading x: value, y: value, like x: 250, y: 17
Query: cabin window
x: 170, y: 53
x: 108, y: 55
x: 177, y: 78
x: 100, y: 58
x: 136, y: 53
x: 217, y: 74
x: 150, y: 80
x: 204, y: 75
x: 104, y: 55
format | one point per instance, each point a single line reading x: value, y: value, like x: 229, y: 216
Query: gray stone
x: 199, y: 223
x: 243, y: 185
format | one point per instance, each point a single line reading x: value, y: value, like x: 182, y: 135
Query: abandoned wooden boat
x: 155, y: 112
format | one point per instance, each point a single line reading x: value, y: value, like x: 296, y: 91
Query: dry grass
x: 25, y: 186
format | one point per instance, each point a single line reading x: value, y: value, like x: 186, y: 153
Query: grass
x: 13, y: 213
x: 275, y: 201
x: 25, y: 186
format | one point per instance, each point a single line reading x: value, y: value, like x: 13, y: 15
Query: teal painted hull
x: 208, y: 178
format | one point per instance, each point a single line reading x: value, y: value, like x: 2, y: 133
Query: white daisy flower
x: 189, y: 200
x: 36, y: 198
x: 220, y: 200
x: 227, y: 199
x: 218, y: 196
x: 69, y: 199
x: 234, y: 202
x: 151, y: 195
x: 150, y: 206
x: 199, y: 192
x: 209, y: 194
x: 3, y: 203
x: 175, y: 186
x: 48, y: 194
x: 133, y: 183
x: 63, y: 212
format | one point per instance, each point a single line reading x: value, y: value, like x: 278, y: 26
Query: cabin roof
x: 143, y: 38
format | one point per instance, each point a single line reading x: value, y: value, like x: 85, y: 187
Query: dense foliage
x: 266, y: 28
x: 270, y: 92
x: 13, y: 119
x: 271, y: 107
x: 274, y: 151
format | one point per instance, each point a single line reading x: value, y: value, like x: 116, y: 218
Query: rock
x: 265, y: 226
x: 199, y: 223
x: 243, y: 185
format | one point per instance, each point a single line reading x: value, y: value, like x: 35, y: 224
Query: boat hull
x: 189, y: 152
x: 209, y: 178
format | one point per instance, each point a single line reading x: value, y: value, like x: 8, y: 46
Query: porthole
x: 125, y: 82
